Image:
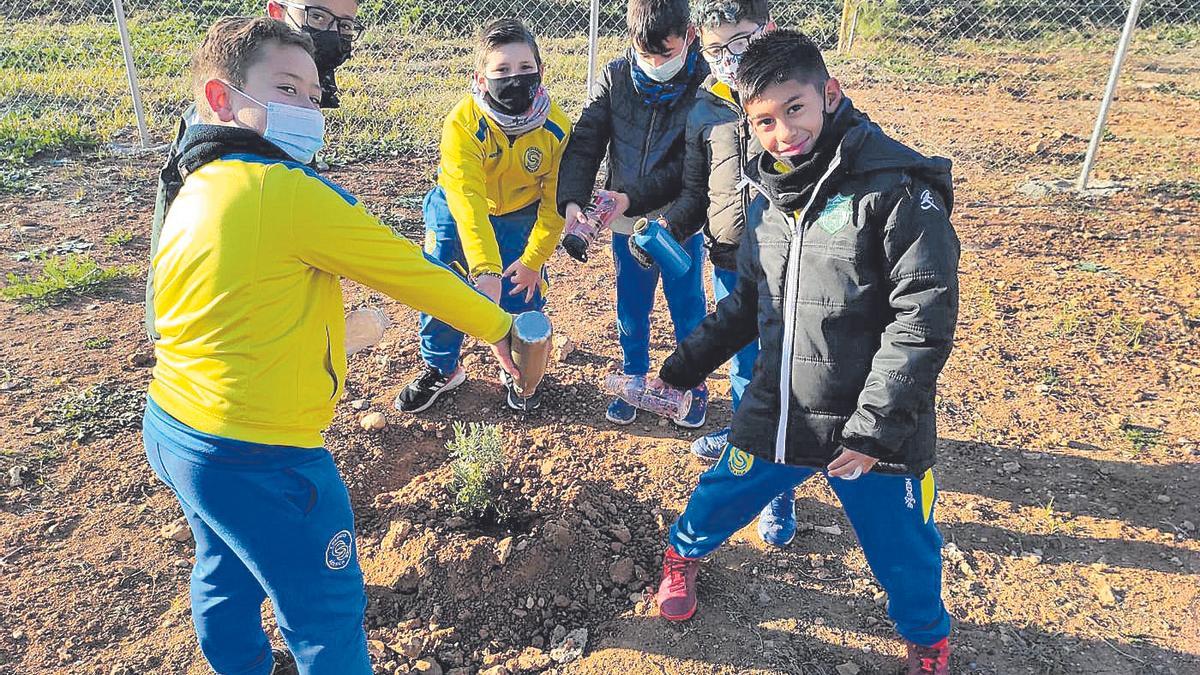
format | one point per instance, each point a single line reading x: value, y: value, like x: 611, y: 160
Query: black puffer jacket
x: 644, y: 144
x: 715, y: 196
x: 853, y: 297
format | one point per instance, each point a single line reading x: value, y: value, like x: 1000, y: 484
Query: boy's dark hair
x: 232, y: 45
x: 503, y: 32
x: 777, y: 57
x: 651, y: 22
x: 713, y: 13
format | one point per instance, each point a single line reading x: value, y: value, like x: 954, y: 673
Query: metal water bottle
x: 531, y: 339
x: 667, y: 401
x: 658, y: 242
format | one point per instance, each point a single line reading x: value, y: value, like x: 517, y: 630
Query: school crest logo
x: 532, y: 159
x: 740, y: 461
x: 340, y: 550
x: 838, y: 212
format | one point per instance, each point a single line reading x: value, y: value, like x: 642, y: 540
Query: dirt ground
x: 1069, y: 441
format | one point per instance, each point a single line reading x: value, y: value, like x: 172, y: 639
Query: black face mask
x: 513, y: 95
x: 331, y: 51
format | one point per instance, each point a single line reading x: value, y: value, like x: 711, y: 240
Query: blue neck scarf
x: 663, y: 94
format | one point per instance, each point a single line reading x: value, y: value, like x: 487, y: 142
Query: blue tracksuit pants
x: 269, y: 521
x: 635, y: 300
x: 440, y: 342
x: 892, y: 516
x: 741, y: 366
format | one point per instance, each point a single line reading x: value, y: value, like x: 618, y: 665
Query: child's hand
x: 502, y: 350
x: 622, y: 200
x: 574, y: 214
x: 850, y: 464
x: 489, y: 285
x: 523, y: 279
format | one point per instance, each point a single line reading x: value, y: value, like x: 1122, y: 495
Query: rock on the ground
x: 847, y: 668
x: 621, y: 571
x: 15, y: 477
x: 376, y: 648
x: 427, y: 667
x: 372, y: 421
x: 176, y: 531
x: 571, y: 647
x: 563, y: 348
x: 533, y: 659
x: 504, y: 550
x: 558, y: 535
x: 1011, y: 467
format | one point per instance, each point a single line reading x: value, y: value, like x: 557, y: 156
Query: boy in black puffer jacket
x: 636, y: 116
x: 850, y: 284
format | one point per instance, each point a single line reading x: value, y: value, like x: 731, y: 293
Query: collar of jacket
x: 789, y: 187
x: 203, y: 143
x: 721, y: 91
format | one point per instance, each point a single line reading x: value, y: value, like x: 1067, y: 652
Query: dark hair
x: 503, y: 32
x: 713, y: 13
x: 777, y: 57
x: 651, y: 22
x: 232, y: 45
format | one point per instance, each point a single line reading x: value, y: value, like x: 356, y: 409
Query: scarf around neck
x: 657, y: 94
x: 515, y: 125
x: 791, y: 188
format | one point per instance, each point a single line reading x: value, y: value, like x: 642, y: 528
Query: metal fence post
x: 1135, y: 7
x: 131, y: 73
x: 593, y: 43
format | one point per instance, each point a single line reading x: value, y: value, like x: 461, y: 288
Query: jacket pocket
x: 328, y: 363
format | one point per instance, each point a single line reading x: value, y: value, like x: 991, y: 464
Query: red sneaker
x: 924, y: 660
x: 677, y: 590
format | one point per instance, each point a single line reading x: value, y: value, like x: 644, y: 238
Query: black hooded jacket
x: 852, y: 292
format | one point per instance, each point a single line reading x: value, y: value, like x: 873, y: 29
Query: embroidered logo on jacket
x: 837, y: 213
x: 533, y: 159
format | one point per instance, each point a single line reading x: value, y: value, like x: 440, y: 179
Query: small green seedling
x: 477, y: 460
x: 60, y: 279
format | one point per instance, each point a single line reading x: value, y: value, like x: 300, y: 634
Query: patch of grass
x: 1048, y: 522
x: 1128, y: 332
x: 1140, y: 437
x: 477, y: 460
x: 118, y: 238
x: 1091, y: 267
x: 60, y: 279
x: 1050, y: 377
x: 22, y: 137
x: 97, y: 343
x: 101, y: 411
x: 1066, y: 321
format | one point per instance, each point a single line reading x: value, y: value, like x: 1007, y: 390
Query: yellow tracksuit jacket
x: 248, y: 298
x: 484, y: 173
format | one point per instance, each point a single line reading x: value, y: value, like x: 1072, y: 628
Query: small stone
x: 965, y: 569
x: 880, y: 599
x: 504, y: 550
x: 15, y: 479
x: 835, y: 530
x: 1011, y: 467
x: 1104, y: 594
x: 176, y: 531
x: 372, y: 421
x: 558, y: 535
x: 412, y: 647
x: 359, y: 404
x: 532, y: 658
x: 427, y: 667
x: 621, y: 533
x: 496, y: 670
x: 1189, y: 526
x: 456, y: 522
x: 621, y: 571
x: 376, y: 648
x: 1163, y: 499
x: 561, y: 600
x: 1037, y: 147
x: 571, y: 647
x: 847, y: 668
x: 1112, y: 510
x: 563, y: 348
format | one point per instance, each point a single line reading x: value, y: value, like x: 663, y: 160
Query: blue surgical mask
x: 300, y: 132
x: 668, y: 69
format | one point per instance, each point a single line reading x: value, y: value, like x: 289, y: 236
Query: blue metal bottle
x: 658, y: 242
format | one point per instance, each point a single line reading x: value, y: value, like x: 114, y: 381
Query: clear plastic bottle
x: 599, y: 215
x: 633, y: 389
x: 364, y: 328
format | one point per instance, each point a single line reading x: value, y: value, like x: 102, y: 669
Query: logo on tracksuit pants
x: 340, y: 550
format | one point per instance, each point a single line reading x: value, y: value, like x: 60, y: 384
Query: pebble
x: 504, y: 550
x: 1163, y: 499
x: 1112, y: 510
x: 359, y: 404
x: 427, y: 667
x: 621, y: 571
x: 176, y: 531
x: 456, y: 522
x: 1011, y: 467
x: 15, y: 479
x: 1104, y: 593
x: 621, y: 533
x: 847, y: 668
x: 880, y: 599
x: 571, y: 647
x: 372, y: 421
x: 835, y: 530
x: 1189, y: 526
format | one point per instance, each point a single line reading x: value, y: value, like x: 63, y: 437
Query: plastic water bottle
x: 531, y: 333
x: 658, y: 242
x: 599, y: 215
x: 364, y: 328
x: 667, y: 401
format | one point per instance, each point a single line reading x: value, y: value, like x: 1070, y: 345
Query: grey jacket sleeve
x: 687, y: 215
x: 921, y: 252
x: 723, y: 333
x: 586, y: 147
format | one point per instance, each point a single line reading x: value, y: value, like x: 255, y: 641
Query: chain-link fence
x: 992, y: 83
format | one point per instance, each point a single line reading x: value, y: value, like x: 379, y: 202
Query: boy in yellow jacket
x: 493, y: 212
x: 250, y: 355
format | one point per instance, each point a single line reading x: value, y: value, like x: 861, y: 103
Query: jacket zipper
x: 791, y: 282
x: 646, y: 145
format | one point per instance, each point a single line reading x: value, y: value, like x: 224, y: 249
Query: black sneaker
x: 423, y: 391
x: 515, y: 400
